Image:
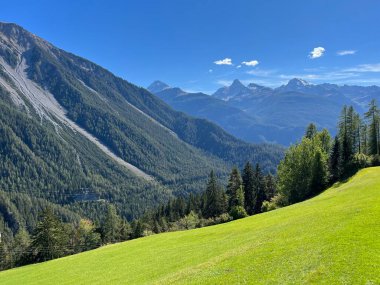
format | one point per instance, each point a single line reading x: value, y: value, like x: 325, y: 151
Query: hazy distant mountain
x: 257, y: 113
x: 233, y: 119
x: 298, y: 103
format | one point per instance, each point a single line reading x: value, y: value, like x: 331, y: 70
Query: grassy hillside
x: 331, y: 239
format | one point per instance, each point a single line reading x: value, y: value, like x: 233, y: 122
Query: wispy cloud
x: 210, y: 70
x: 262, y: 72
x: 346, y: 52
x: 224, y: 82
x: 250, y: 63
x: 226, y: 61
x: 317, y: 52
x: 372, y: 67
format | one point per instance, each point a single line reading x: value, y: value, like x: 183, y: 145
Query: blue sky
x: 201, y: 45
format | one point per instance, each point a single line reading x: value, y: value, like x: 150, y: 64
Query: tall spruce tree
x: 259, y: 189
x: 345, y: 138
x: 233, y: 186
x: 334, y: 161
x: 49, y: 240
x: 111, y: 225
x: 373, y: 132
x: 248, y: 187
x: 215, y: 198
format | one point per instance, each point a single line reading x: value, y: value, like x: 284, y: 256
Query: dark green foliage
x: 373, y: 119
x: 215, y: 202
x: 249, y: 188
x: 270, y: 186
x: 334, y: 160
x: 238, y: 212
x: 111, y: 225
x: 235, y: 189
x: 259, y: 189
x: 311, y: 131
x: 49, y: 239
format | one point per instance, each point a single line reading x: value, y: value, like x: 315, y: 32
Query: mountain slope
x: 81, y: 126
x: 330, y: 239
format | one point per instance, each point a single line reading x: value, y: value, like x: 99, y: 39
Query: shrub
x: 361, y: 160
x: 238, y: 212
x: 268, y: 206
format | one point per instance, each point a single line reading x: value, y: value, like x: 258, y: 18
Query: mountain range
x: 69, y: 127
x: 257, y: 113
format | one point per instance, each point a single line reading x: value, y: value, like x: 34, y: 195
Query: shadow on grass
x: 346, y: 178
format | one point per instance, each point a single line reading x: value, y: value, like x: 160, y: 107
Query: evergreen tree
x: 137, y: 229
x: 373, y: 132
x: 319, y: 173
x: 334, y: 161
x: 259, y: 189
x: 111, y: 225
x: 311, y: 131
x: 270, y: 187
x: 248, y: 186
x: 20, y: 246
x: 215, y: 198
x: 233, y: 186
x: 49, y: 240
x: 345, y: 138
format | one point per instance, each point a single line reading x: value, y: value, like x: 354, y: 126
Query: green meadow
x: 333, y: 238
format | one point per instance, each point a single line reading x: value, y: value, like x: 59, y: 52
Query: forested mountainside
x: 68, y: 127
x: 257, y: 113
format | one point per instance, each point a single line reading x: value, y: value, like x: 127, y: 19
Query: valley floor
x: 333, y: 238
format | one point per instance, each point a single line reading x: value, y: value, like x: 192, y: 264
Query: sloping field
x: 331, y: 239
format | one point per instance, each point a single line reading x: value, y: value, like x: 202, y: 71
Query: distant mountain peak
x: 158, y: 86
x: 298, y: 82
x: 237, y: 82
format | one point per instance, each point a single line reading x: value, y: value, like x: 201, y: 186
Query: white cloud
x: 226, y: 61
x: 317, y: 52
x: 250, y: 63
x: 210, y: 70
x: 345, y: 52
x: 238, y: 66
x: 373, y: 67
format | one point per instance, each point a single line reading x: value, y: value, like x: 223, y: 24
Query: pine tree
x: 334, y: 161
x: 234, y: 185
x: 248, y: 187
x: 345, y: 138
x: 137, y: 229
x: 373, y: 132
x: 259, y: 190
x: 270, y: 187
x: 111, y: 225
x: 319, y: 171
x: 311, y: 131
x: 215, y: 199
x: 49, y: 240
